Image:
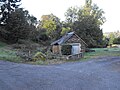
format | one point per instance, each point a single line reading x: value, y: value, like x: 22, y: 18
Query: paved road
x: 98, y: 74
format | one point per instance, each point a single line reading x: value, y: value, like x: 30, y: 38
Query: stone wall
x: 75, y: 39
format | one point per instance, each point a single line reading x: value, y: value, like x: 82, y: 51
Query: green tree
x: 7, y: 6
x: 30, y: 18
x: 71, y: 15
x: 116, y: 40
x: 105, y: 41
x: 52, y: 25
x: 65, y: 28
x: 89, y: 31
x: 40, y: 36
x: 17, y: 26
x: 111, y: 38
x: 86, y: 22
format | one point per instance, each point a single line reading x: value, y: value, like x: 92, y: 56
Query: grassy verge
x: 7, y: 54
x: 102, y: 52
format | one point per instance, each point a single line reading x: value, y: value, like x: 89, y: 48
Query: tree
x: 116, y: 40
x: 65, y: 28
x: 86, y: 22
x: 89, y: 31
x: 71, y: 14
x: 30, y: 18
x: 111, y: 38
x: 105, y: 41
x: 40, y: 36
x: 7, y: 6
x: 17, y: 26
x: 52, y: 25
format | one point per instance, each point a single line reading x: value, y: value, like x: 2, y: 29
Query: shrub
x: 2, y: 44
x: 116, y: 40
x: 66, y: 49
x: 39, y: 35
x: 89, y: 50
x: 39, y: 56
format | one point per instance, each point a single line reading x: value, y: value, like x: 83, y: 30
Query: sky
x: 59, y: 7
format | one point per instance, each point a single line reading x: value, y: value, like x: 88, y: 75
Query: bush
x: 2, y: 44
x: 89, y: 50
x: 39, y: 35
x: 66, y: 49
x: 116, y: 40
x: 39, y: 56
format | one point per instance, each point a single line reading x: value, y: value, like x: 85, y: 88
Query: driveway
x: 96, y: 74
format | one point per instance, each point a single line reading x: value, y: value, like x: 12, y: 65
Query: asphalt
x: 96, y: 74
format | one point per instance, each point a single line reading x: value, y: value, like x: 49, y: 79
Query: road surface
x: 97, y: 74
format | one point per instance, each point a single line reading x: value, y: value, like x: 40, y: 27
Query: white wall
x: 76, y: 48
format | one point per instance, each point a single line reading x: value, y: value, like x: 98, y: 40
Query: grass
x: 2, y: 44
x: 7, y: 54
x: 102, y: 52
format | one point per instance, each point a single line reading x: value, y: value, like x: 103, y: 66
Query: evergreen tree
x: 7, y: 6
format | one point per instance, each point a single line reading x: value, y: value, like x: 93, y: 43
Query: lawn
x: 102, y: 52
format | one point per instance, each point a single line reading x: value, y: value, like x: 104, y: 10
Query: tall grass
x: 7, y: 54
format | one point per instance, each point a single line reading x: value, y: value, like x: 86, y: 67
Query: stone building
x: 78, y: 45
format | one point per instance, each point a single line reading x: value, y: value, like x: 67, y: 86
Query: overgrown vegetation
x: 32, y: 54
x: 66, y: 49
x: 39, y: 56
x: 9, y: 55
x: 2, y: 44
x: 30, y: 39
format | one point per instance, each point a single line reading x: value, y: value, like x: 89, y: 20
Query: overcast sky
x: 59, y: 7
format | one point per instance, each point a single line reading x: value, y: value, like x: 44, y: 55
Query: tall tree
x: 30, y: 18
x: 71, y: 14
x: 17, y: 25
x: 52, y: 25
x: 86, y: 22
x: 7, y: 6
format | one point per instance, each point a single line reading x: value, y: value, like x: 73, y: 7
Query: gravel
x: 96, y: 74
